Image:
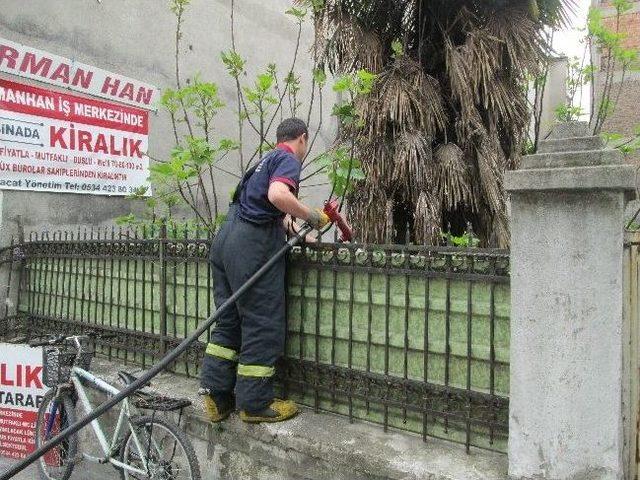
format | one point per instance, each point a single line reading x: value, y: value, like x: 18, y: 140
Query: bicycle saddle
x: 128, y: 378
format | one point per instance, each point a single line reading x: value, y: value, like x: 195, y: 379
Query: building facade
x: 138, y: 40
x: 625, y: 119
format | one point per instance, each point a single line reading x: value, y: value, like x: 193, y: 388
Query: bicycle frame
x: 108, y: 448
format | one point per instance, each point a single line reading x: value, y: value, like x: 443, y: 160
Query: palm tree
x: 448, y: 112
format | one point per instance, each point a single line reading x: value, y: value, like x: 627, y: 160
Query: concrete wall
x: 136, y: 39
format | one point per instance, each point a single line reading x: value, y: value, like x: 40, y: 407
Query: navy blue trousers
x: 248, y: 338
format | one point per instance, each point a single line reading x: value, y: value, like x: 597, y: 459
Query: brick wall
x: 627, y: 114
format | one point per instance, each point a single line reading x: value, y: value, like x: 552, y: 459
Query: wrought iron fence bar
x: 7, y: 292
x: 469, y: 352
x: 387, y: 306
x: 405, y: 346
x: 174, y: 302
x: 350, y: 340
x: 162, y: 293
x: 316, y: 396
x: 425, y: 348
x: 334, y: 305
x: 303, y: 316
x: 492, y: 349
x: 369, y: 325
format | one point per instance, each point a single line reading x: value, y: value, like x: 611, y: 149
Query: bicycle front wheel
x: 169, y: 453
x: 55, y: 414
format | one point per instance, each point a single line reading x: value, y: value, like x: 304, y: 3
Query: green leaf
x: 233, y: 62
x: 162, y: 169
x: 227, y: 144
x: 366, y: 80
x: 397, y: 48
x: 319, y: 76
x: 357, y: 174
x: 126, y: 219
x: 298, y: 13
x: 611, y: 137
x: 169, y: 100
x: 264, y: 82
x: 343, y: 83
x: 177, y: 6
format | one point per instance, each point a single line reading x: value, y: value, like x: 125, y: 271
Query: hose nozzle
x: 331, y: 210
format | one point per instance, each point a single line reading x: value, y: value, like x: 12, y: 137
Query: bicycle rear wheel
x: 170, y: 454
x: 55, y: 414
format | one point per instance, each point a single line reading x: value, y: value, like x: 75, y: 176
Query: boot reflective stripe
x: 222, y: 352
x: 255, y: 371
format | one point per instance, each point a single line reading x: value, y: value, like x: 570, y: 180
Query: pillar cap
x: 571, y: 159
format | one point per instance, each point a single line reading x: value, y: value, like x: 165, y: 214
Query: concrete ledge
x: 608, y: 177
x: 572, y: 144
x: 569, y: 130
x: 317, y: 446
x: 589, y: 158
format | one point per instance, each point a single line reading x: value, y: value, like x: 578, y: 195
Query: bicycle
x: 141, y: 447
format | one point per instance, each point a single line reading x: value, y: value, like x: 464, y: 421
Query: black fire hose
x: 156, y: 369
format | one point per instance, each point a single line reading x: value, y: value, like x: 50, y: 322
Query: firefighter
x: 248, y: 339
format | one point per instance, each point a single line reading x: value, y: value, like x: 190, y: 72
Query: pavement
x: 83, y: 471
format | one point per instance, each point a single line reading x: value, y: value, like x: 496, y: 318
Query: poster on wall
x: 56, y: 142
x: 29, y: 62
x: 21, y: 393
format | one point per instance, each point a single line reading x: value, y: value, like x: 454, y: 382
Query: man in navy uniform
x: 249, y: 338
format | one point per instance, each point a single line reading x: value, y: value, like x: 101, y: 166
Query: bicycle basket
x: 58, y: 360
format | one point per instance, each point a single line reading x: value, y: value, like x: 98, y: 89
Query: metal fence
x: 413, y: 338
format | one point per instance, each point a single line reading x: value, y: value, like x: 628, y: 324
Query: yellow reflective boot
x: 217, y: 411
x: 278, y: 411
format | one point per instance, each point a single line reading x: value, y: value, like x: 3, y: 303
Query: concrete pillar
x: 555, y: 93
x: 566, y: 391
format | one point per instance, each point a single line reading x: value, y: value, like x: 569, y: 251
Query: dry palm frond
x: 427, y: 219
x: 468, y: 128
x: 389, y: 233
x: 467, y: 120
x: 452, y: 180
x: 413, y: 153
x: 490, y: 160
x: 406, y: 98
x: 370, y: 214
x: 337, y: 47
x: 377, y: 163
x: 501, y: 230
x: 556, y: 13
x: 522, y: 39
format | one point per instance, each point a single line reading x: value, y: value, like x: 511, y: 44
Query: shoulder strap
x: 243, y: 182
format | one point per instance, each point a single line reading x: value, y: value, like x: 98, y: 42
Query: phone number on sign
x: 96, y: 187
